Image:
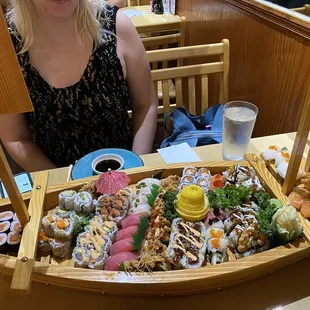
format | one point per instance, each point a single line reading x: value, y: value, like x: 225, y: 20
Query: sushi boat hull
x: 178, y: 282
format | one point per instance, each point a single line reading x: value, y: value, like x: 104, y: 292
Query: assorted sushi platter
x: 170, y: 230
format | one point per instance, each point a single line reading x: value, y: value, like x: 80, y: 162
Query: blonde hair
x: 89, y: 22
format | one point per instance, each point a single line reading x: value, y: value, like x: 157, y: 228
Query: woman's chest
x: 62, y: 67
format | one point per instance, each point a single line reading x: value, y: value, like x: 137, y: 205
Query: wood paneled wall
x: 269, y: 64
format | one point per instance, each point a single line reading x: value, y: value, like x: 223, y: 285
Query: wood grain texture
x: 171, y: 283
x: 299, y: 146
x: 269, y: 63
x: 14, y: 95
x: 27, y: 250
x: 9, y: 183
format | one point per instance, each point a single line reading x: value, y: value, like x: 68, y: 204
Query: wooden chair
x: 305, y: 10
x: 191, y: 73
x: 163, y: 37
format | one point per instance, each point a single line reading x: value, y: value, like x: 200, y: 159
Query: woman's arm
x: 144, y: 108
x: 118, y: 3
x: 15, y: 136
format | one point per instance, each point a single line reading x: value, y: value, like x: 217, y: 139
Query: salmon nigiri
x: 305, y: 207
x: 297, y: 197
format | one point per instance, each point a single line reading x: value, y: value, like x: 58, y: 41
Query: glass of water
x: 238, y: 123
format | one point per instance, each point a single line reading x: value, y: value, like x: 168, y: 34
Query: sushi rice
x: 65, y: 214
x: 60, y: 247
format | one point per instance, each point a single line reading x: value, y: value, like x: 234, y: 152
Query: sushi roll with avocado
x: 61, y: 248
x: 65, y: 214
x: 66, y: 199
x: 97, y: 259
x: 103, y: 228
x: 83, y: 203
x: 48, y: 224
x: 80, y: 256
x: 63, y: 228
x: 6, y: 216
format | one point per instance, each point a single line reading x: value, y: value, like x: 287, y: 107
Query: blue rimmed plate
x: 83, y: 169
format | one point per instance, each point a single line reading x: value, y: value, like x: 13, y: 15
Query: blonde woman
x: 85, y: 67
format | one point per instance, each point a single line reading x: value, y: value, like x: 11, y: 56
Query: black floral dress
x: 68, y: 123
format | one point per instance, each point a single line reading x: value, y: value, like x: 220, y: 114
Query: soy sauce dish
x: 106, y: 162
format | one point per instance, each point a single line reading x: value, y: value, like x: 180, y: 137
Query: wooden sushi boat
x: 174, y: 282
x: 30, y: 209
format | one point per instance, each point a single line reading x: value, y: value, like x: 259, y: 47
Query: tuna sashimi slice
x: 126, y: 232
x: 115, y: 261
x: 124, y: 245
x: 131, y: 220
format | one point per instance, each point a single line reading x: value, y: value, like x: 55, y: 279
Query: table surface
x: 287, y: 289
x: 150, y: 19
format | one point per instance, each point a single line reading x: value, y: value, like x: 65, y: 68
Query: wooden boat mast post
x: 15, y: 99
x: 299, y: 147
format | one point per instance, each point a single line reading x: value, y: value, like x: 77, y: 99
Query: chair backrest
x: 303, y: 10
x: 190, y: 73
x: 135, y: 2
x: 163, y: 36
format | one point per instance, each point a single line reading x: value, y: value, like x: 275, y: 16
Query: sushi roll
x: 83, y: 203
x: 217, y: 250
x: 65, y: 214
x: 203, y: 182
x: 103, y: 228
x: 14, y: 239
x: 204, y: 173
x: 3, y: 242
x: 60, y: 247
x: 4, y: 226
x: 235, y: 218
x: 15, y: 218
x: 16, y: 227
x: 63, y: 228
x: 282, y: 156
x: 80, y: 256
x: 187, y: 244
x: 188, y: 179
x: 48, y: 224
x: 282, y: 169
x: 235, y: 235
x: 190, y: 170
x: 214, y: 232
x: 66, y: 199
x: 44, y: 242
x: 270, y: 153
x: 97, y: 259
x: 6, y: 216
